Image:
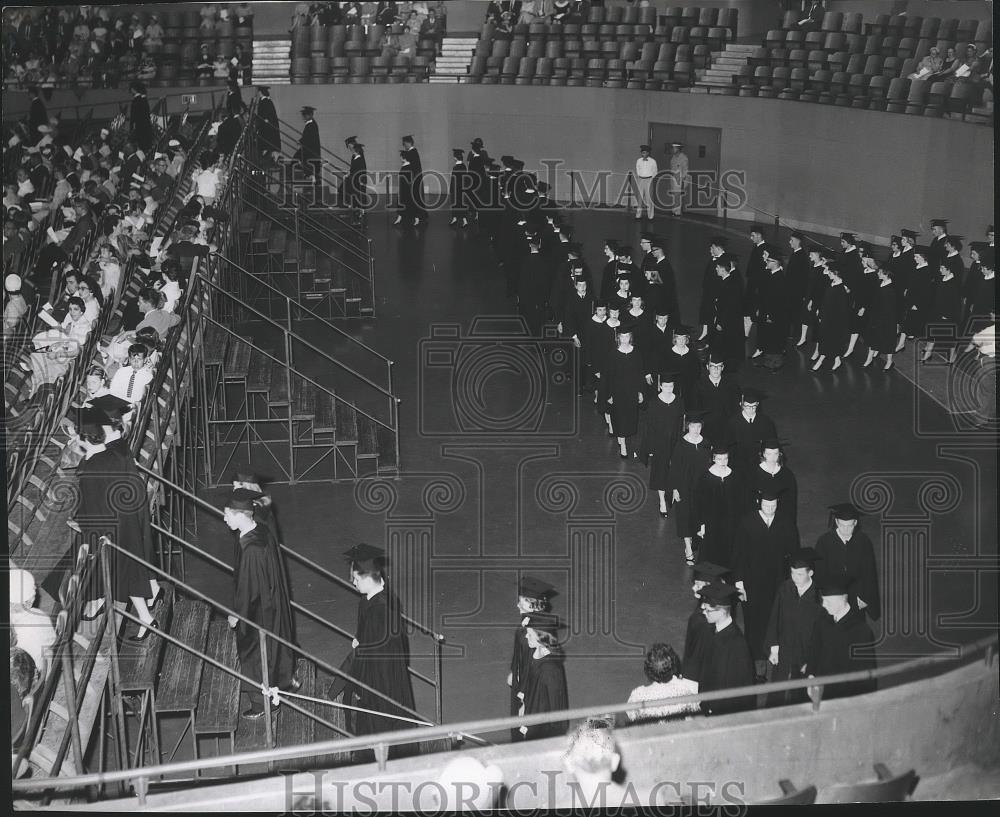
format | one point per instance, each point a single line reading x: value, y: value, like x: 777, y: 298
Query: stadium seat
x: 873, y: 45
x: 948, y: 30
x: 794, y: 39
x: 553, y: 49
x: 855, y: 44
x: 537, y: 32
x: 873, y: 65
x: 360, y: 70
x: 624, y: 33
x: 762, y: 75
x: 961, y: 99
x: 628, y: 51
x: 591, y: 49
x: 852, y: 23
x: 683, y: 73
x: 708, y: 17
x: 759, y: 56
x: 813, y: 39
x: 573, y: 48
x: 525, y: 71
x: 649, y: 52
x: 790, y: 21
x: 690, y: 15
x: 820, y: 81
x: 613, y: 14
x: 701, y: 56
x: 609, y: 50
x: 923, y: 49
x: 596, y: 14
x: 781, y: 78
x: 908, y: 67
x: 616, y: 74
x: 896, y: 96
x: 605, y: 32
x: 518, y: 47
x: 916, y: 97
x: 779, y: 57
x: 717, y: 38
x: 929, y: 28
x: 967, y: 30
x: 571, y: 31
x: 774, y: 38
x: 679, y: 35
x: 892, y: 66
x: 856, y: 64
x: 792, y: 796
x: 798, y: 79
x: 728, y: 19
x: 798, y: 58
x: 596, y: 73
x: 817, y: 60
x: 508, y: 72
x: 748, y: 90
x: 560, y: 71
x: 835, y: 42
x: 837, y: 62
x: 984, y: 34
x: 879, y: 26
x: 907, y: 46
x: 887, y: 789
x: 501, y: 48
x: 536, y: 49
x: 577, y: 72
x: 476, y: 70
x: 631, y: 15
x: 380, y: 67
x: 647, y: 16
x: 832, y: 21
x: 588, y: 31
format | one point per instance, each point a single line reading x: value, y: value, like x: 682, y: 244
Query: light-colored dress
x: 676, y: 687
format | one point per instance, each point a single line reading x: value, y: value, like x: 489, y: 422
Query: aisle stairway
x: 725, y: 65
x: 454, y: 60
x: 272, y: 62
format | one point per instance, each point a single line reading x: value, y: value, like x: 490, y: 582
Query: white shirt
x: 207, y: 181
x: 645, y: 168
x: 119, y: 386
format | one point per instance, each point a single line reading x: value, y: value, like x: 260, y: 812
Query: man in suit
x: 308, y: 153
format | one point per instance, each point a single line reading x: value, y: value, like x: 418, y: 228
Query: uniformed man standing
x: 645, y: 170
x: 678, y: 176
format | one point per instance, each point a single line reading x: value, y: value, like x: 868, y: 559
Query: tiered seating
x: 348, y: 54
x: 616, y: 48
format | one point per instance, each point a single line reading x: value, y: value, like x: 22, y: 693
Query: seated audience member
x: 663, y: 670
x: 591, y: 761
x: 929, y: 65
x: 15, y: 307
x: 130, y: 382
x: 206, y: 62
x: 94, y: 386
x: 169, y: 287
x: 89, y: 291
x: 33, y: 627
x: 151, y: 304
x: 431, y: 29
x: 23, y: 676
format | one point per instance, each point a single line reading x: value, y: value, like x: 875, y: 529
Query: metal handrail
x: 987, y: 645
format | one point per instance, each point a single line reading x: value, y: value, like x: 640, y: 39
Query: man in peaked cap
x: 645, y: 170
x: 678, y: 176
x: 842, y: 642
x: 260, y: 596
x: 728, y: 663
x: 792, y: 626
x: 848, y: 556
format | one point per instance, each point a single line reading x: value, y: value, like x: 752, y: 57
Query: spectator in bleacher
x: 431, y: 29
x: 220, y: 67
x: 387, y: 14
x: 15, y: 307
x: 209, y: 14
x: 170, y: 286
x: 814, y: 17
x: 13, y: 243
x: 33, y: 627
x: 243, y: 14
x: 495, y: 10
x: 592, y: 761
x: 929, y: 65
x: 130, y: 382
x: 561, y: 11
x: 208, y: 177
x: 154, y: 31
x: 663, y: 671
x: 23, y: 675
x: 140, y: 123
x: 206, y: 63
x: 241, y: 65
x: 465, y: 784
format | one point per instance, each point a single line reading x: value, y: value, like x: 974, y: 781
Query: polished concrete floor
x: 506, y: 471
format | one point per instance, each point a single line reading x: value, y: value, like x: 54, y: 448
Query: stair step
x: 388, y: 455
x: 139, y: 661
x: 346, y: 422
x: 308, y: 260
x: 367, y: 437
x: 277, y: 393
x: 277, y: 241
x: 237, y: 360
x: 247, y: 219
x: 303, y: 399
x: 259, y: 373
x: 325, y: 421
x: 219, y: 700
x: 294, y: 728
x: 180, y: 678
x: 216, y: 340
x: 262, y: 231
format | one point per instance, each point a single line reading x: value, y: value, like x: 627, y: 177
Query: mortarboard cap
x: 771, y: 442
x: 110, y: 405
x: 646, y: 236
x: 533, y: 588
x: 669, y: 377
x: 601, y: 303
x: 922, y: 250
x: 721, y: 447
x: 939, y: 222
x: 978, y: 246
x: 308, y: 110
x: 611, y: 242
x: 719, y: 593
x: 365, y: 555
x: 458, y: 153
x: 350, y: 140
x: 845, y: 510
x: 543, y: 188
x: 906, y: 232
x: 682, y: 330
x: 955, y: 241
x: 752, y: 395
x: 477, y: 142
x: 246, y: 494
x: 710, y: 571
x: 657, y: 242
x: 264, y: 89
x: 770, y: 494
x: 800, y: 236
x: 833, y: 586
x: 850, y: 238
x: 715, y: 358
x: 506, y: 159
x: 544, y: 622
x: 804, y: 557
x: 242, y: 499
x: 987, y: 257
x: 717, y: 241
x: 696, y: 416
x: 757, y: 228
x: 676, y: 144
x: 408, y: 138
x: 515, y: 164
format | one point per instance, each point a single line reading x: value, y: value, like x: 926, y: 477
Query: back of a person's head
x: 465, y: 784
x: 22, y: 671
x: 592, y: 749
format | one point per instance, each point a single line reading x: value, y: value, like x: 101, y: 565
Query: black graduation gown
x: 947, y: 304
x: 760, y: 563
x: 688, y: 369
x: 718, y: 401
x: 411, y: 199
x: 381, y: 660
x: 834, y: 321
x: 234, y: 102
x: 798, y: 275
x: 746, y: 438
x: 476, y: 162
x: 709, y: 284
x: 309, y: 147
x: 604, y: 344
x: 141, y: 125
x: 919, y: 301
x: 862, y: 297
x: 719, y: 504
x: 980, y: 302
x: 664, y: 426
x: 783, y: 484
x: 697, y: 638
x: 937, y: 251
x: 901, y: 271
x: 114, y: 503
x: 268, y: 132
x: 458, y: 188
x: 818, y: 284
x: 576, y: 314
x: 687, y: 463
x: 609, y: 279
x: 592, y: 333
x: 545, y: 691
x: 624, y: 381
x: 792, y: 628
x: 229, y: 135
x: 851, y: 268
x: 519, y: 661
x: 754, y: 272
x: 881, y: 333
x: 726, y: 335
x: 533, y: 287
x: 356, y: 183
x: 669, y: 293
x: 655, y: 348
x: 773, y: 316
x: 832, y: 653
x: 261, y: 594
x: 853, y: 563
x: 728, y: 664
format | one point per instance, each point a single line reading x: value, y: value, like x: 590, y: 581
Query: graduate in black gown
x: 882, y: 332
x: 308, y: 154
x: 698, y: 634
x: 746, y: 430
x: 411, y: 198
x: 765, y: 539
x: 862, y: 296
x: 545, y: 684
x: 945, y: 313
x: 818, y: 283
x: 476, y: 161
x: 979, y: 291
x: 261, y: 596
x: 609, y: 275
x: 919, y: 300
x: 681, y: 358
x: 716, y: 393
x: 727, y: 662
x: 664, y: 426
x: 381, y: 652
x: 691, y: 457
x: 848, y: 556
x: 113, y: 503
x: 709, y: 281
x: 576, y: 317
x: 841, y: 636
x: 591, y: 333
x: 798, y: 273
x: 356, y: 183
x: 719, y: 501
x: 624, y: 387
x: 727, y: 336
x: 655, y: 348
x: 605, y: 342
x: 792, y: 625
x: 849, y: 263
x: 772, y: 475
x: 533, y: 596
x: 268, y: 132
x: 140, y: 123
x: 458, y: 189
x: 834, y: 322
x: 534, y: 283
x: 773, y: 313
x: 754, y: 272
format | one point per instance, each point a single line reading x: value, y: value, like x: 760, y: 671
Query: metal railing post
x: 266, y: 684
x: 438, y: 679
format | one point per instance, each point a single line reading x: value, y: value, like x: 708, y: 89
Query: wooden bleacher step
x: 247, y: 219
x: 216, y: 340
x: 308, y: 260
x: 388, y: 459
x: 261, y: 236
x: 325, y: 421
x: 346, y: 421
x: 237, y: 363
x: 367, y: 437
x: 259, y: 372
x: 277, y: 242
x: 294, y: 728
x: 277, y: 393
x: 303, y: 399
x: 140, y: 660
x: 218, y: 712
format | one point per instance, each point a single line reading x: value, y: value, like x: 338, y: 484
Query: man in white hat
x: 678, y: 176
